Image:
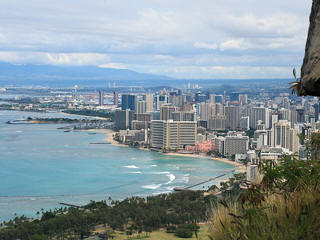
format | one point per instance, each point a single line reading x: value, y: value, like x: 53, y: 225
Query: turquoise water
x: 41, y: 166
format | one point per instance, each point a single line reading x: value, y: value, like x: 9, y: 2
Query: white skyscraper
x: 259, y: 113
x: 243, y: 99
x: 149, y: 102
x: 141, y: 107
x: 284, y: 136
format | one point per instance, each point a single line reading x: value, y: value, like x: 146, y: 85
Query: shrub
x: 171, y: 229
x: 183, y: 232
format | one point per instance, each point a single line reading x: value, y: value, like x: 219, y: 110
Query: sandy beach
x: 240, y: 167
x: 109, y: 137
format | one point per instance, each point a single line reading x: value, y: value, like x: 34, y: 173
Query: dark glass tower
x: 128, y: 102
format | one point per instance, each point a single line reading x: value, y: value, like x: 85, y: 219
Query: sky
x: 178, y: 38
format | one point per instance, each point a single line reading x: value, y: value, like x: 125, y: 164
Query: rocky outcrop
x: 310, y: 71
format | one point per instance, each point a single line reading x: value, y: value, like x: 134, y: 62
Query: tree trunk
x: 310, y: 71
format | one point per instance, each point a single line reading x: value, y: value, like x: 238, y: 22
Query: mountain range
x: 50, y: 75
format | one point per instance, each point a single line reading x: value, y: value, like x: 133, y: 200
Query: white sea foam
x: 158, y: 193
x: 18, y: 131
x: 184, y: 179
x: 152, y: 186
x: 133, y: 158
x: 170, y: 188
x: 154, y: 165
x: 131, y: 166
x: 171, y: 178
x: 138, y: 172
x: 160, y: 173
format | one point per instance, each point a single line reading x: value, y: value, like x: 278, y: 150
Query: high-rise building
x: 146, y: 117
x: 161, y: 100
x: 219, y: 109
x: 141, y: 107
x: 284, y: 114
x: 166, y: 112
x: 218, y: 99
x: 206, y: 111
x: 210, y: 110
x: 316, y: 111
x: 300, y: 115
x: 284, y: 136
x: 173, y: 135
x: 101, y: 98
x: 243, y: 99
x: 244, y: 123
x: 263, y: 138
x: 236, y: 145
x: 149, y: 101
x: 212, y: 98
x: 259, y: 113
x: 128, y: 102
x: 217, y: 122
x: 233, y: 117
x: 199, y: 97
x: 123, y: 118
x: 184, y: 116
x: 115, y: 98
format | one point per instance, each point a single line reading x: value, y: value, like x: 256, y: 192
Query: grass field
x: 162, y: 235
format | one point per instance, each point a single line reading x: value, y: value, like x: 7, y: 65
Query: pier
x: 70, y: 205
x: 178, y: 189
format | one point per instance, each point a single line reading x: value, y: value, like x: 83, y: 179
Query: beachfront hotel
x: 173, y: 135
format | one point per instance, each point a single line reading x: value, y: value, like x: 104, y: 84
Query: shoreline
x: 109, y: 136
x: 240, y: 168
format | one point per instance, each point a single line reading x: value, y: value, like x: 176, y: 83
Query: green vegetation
x: 250, y: 133
x: 132, y: 215
x: 285, y: 205
x: 92, y: 113
x: 54, y: 120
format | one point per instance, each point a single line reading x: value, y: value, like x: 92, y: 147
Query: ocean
x: 42, y: 166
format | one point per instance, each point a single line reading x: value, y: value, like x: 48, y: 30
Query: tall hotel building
x: 284, y: 136
x: 149, y: 102
x: 101, y: 98
x: 128, y: 102
x: 166, y: 112
x: 173, y: 135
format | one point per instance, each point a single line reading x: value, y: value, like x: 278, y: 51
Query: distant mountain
x: 48, y: 75
x: 91, y: 76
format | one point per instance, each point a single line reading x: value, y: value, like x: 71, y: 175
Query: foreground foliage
x: 285, y: 205
x: 134, y: 214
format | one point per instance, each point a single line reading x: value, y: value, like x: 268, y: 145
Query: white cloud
x: 211, y: 46
x: 53, y: 58
x: 113, y: 65
x: 232, y: 44
x: 163, y: 57
x: 152, y: 35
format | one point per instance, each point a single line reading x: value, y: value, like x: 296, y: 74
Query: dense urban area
x: 246, y: 125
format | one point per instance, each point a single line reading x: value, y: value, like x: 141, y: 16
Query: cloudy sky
x: 179, y: 38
